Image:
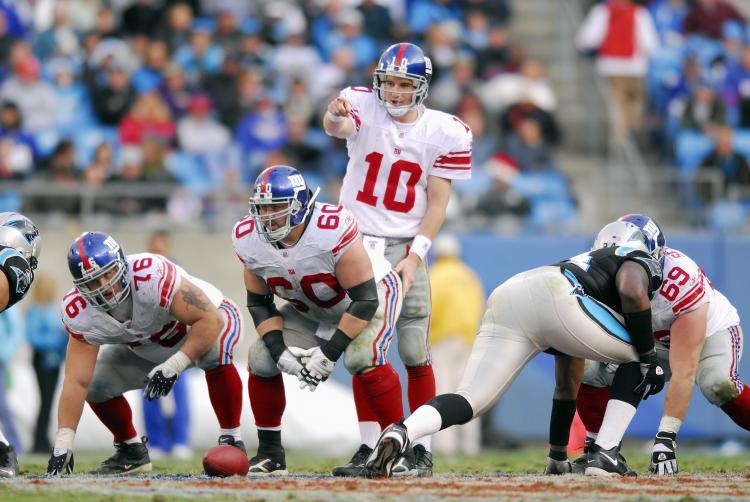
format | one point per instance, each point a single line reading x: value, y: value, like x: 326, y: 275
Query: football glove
x: 162, y: 378
x: 290, y: 362
x: 60, y: 464
x: 664, y: 454
x: 319, y: 365
x: 653, y: 376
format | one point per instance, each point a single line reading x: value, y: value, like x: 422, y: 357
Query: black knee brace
x: 627, y: 378
x: 454, y: 409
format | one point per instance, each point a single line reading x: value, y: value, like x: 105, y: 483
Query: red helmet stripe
x: 400, y: 54
x: 264, y: 181
x: 82, y: 253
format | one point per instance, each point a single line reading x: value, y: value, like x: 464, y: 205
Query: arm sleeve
x: 454, y: 161
x: 19, y: 274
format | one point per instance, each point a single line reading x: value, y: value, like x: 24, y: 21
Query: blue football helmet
x: 406, y: 61
x: 20, y: 233
x: 94, y: 255
x: 285, y: 189
x: 636, y: 231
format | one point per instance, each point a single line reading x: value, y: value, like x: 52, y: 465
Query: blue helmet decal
x: 403, y: 60
x: 99, y: 269
x: 656, y: 239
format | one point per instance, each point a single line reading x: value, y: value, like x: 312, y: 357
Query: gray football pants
x: 533, y: 311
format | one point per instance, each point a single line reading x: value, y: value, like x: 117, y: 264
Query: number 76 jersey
x: 385, y: 185
x: 685, y: 288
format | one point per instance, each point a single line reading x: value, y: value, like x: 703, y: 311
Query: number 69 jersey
x: 305, y: 274
x: 154, y: 281
x: 385, y: 185
x: 685, y: 288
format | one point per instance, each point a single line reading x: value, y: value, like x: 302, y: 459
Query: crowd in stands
x: 686, y: 64
x: 200, y: 94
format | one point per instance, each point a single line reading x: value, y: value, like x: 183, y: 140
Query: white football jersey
x: 154, y: 281
x: 385, y: 185
x: 305, y: 274
x: 685, y: 288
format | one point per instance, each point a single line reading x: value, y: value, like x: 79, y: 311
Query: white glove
x: 289, y: 362
x: 664, y: 454
x: 319, y: 365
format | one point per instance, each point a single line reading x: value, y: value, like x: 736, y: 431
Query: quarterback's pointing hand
x: 339, y: 107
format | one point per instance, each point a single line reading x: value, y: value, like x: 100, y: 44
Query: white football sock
x: 424, y: 421
x: 133, y: 440
x: 425, y: 441
x: 369, y: 432
x: 235, y: 433
x: 591, y: 435
x: 617, y: 418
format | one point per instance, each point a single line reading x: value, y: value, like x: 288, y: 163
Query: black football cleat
x: 129, y: 458
x: 392, y: 443
x: 601, y: 462
x: 227, y: 439
x: 268, y: 462
x: 356, y: 466
x: 8, y: 461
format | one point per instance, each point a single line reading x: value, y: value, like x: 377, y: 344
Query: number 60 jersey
x: 685, y: 288
x: 305, y: 274
x: 385, y: 185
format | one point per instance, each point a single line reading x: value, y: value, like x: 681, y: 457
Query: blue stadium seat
x: 191, y: 171
x: 87, y: 140
x: 741, y: 141
x: 46, y: 140
x: 542, y: 185
x: 706, y: 50
x: 10, y: 201
x: 548, y: 213
x: 691, y: 148
x: 726, y: 216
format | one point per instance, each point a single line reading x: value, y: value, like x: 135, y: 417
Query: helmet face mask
x: 99, y: 270
x: 397, y: 64
x: 20, y: 233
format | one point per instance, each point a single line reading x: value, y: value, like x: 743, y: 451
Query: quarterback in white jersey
x: 140, y: 318
x: 402, y: 160
x: 698, y: 340
x: 339, y: 302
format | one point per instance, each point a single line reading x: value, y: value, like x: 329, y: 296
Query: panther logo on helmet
x: 20, y: 233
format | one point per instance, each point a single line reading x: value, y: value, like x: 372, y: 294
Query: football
x: 225, y: 460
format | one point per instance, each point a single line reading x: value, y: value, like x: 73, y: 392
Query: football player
x: 698, y: 340
x: 339, y: 302
x: 573, y: 308
x: 139, y: 319
x: 402, y: 159
x: 20, y: 244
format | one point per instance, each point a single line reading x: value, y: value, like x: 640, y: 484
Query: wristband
x: 64, y: 438
x: 178, y: 362
x: 334, y: 118
x: 274, y: 340
x: 420, y: 245
x: 336, y: 346
x: 670, y: 424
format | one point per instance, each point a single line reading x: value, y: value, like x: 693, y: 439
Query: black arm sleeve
x: 20, y: 276
x: 274, y: 340
x: 638, y: 325
x: 261, y: 307
x: 364, y: 300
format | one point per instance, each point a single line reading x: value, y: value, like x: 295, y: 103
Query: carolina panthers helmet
x: 285, y: 190
x: 96, y: 255
x: 407, y: 61
x: 636, y: 231
x: 20, y: 233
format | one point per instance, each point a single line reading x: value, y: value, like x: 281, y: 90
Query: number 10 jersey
x: 385, y: 185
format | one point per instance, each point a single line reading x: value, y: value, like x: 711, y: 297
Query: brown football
x: 225, y: 460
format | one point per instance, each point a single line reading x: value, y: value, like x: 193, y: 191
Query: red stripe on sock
x: 421, y: 385
x: 382, y: 390
x: 225, y: 392
x: 591, y: 405
x: 117, y: 416
x: 738, y: 409
x: 267, y: 399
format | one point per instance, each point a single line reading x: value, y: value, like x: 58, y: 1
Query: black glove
x: 664, y: 454
x: 653, y: 375
x: 60, y: 464
x: 159, y: 384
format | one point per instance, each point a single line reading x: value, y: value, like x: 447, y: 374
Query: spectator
x: 167, y: 420
x: 737, y: 88
x: 531, y: 85
x: 426, y: 13
x: 624, y: 36
x: 175, y: 91
x: 199, y: 133
x: 74, y: 104
x: 149, y: 76
x: 493, y: 59
x: 704, y: 109
x: 510, y: 121
x: 203, y: 56
x: 60, y: 167
x: 6, y: 38
x: 526, y: 147
x: 446, y: 92
x: 470, y: 110
x: 222, y: 88
x: 113, y: 99
x: 294, y: 57
x: 298, y: 103
x: 500, y: 199
x: 301, y: 152
x: 48, y: 340
x: 348, y: 33
x: 378, y: 21
x: 141, y: 18
x: 498, y: 10
x: 11, y: 337
x: 727, y: 166
x: 17, y: 149
x: 455, y: 288
x: 669, y: 18
x: 34, y: 97
x: 149, y: 117
x: 101, y: 166
x: 228, y: 35
x: 60, y: 39
x: 442, y: 44
x: 706, y: 17
x: 262, y: 130
x: 176, y: 31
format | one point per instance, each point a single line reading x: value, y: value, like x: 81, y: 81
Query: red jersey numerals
x: 138, y: 266
x: 279, y: 284
x: 244, y: 227
x: 329, y: 220
x: 397, y: 170
x: 670, y: 287
x: 74, y: 306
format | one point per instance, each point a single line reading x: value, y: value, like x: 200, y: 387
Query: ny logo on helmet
x: 651, y: 230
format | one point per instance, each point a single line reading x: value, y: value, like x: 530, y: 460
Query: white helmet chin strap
x: 398, y: 111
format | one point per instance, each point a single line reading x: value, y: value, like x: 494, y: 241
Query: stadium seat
x: 87, y: 140
x: 741, y: 141
x: 191, y: 171
x: 691, y: 148
x: 10, y: 201
x: 726, y: 216
x: 542, y: 185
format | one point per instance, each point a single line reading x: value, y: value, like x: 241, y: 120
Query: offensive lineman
x: 20, y: 244
x: 698, y: 340
x: 402, y: 159
x: 339, y: 303
x: 572, y: 308
x: 139, y: 318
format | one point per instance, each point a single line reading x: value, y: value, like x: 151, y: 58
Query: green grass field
x: 165, y: 483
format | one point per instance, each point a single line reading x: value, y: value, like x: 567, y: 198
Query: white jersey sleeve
x: 454, y: 160
x: 155, y: 279
x: 75, y: 314
x: 362, y: 101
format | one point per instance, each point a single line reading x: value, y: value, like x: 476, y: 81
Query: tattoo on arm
x: 194, y: 298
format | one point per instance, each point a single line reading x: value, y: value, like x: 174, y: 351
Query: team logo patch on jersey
x: 397, y: 151
x: 23, y: 279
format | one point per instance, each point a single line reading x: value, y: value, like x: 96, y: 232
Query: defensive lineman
x: 140, y: 318
x: 698, y: 340
x: 572, y: 307
x: 402, y: 159
x: 339, y: 303
x: 20, y: 245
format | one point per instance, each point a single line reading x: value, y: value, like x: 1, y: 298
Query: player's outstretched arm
x: 336, y: 121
